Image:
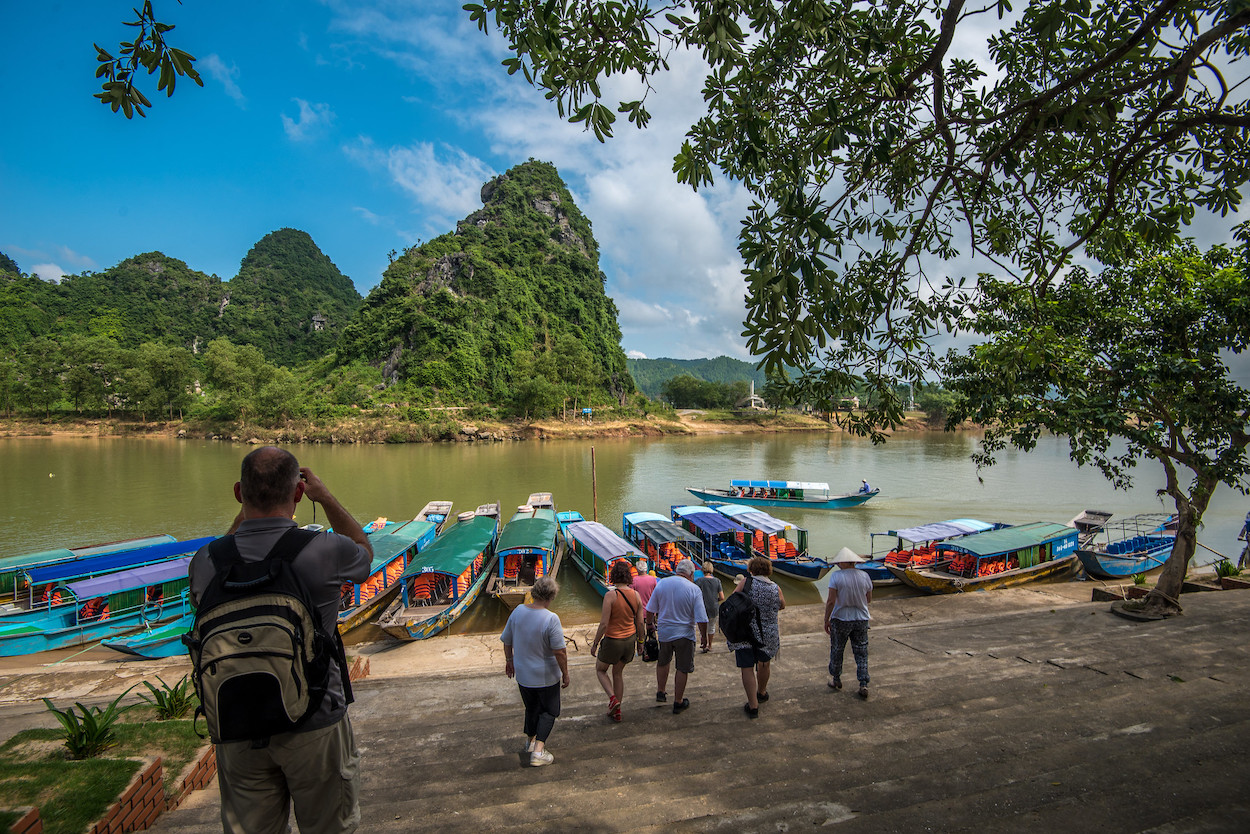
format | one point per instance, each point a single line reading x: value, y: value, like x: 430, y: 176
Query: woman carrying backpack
x: 620, y: 629
x: 754, y: 660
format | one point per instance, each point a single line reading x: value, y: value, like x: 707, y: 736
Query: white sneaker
x: 529, y: 746
x: 541, y: 757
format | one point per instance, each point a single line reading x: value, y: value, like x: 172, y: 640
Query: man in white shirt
x: 675, y: 608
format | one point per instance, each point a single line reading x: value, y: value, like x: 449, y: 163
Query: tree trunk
x: 1189, y: 511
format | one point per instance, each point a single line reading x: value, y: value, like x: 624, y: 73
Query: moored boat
x: 394, y: 546
x: 155, y: 641
x: 444, y: 580
x: 12, y: 566
x: 1120, y: 549
x: 437, y: 513
x: 914, y: 547
x: 785, y: 544
x: 593, y: 548
x: 101, y: 607
x: 527, y: 549
x: 721, y: 537
x: 663, y: 541
x: 800, y: 495
x: 996, y: 559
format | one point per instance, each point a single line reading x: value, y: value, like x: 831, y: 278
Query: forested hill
x: 510, y: 308
x: 283, y: 282
x: 651, y: 374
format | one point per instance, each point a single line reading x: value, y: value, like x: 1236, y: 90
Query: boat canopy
x: 639, y: 517
x: 386, y: 546
x: 114, y: 561
x: 128, y: 580
x: 753, y: 518
x: 1010, y: 539
x: 455, y: 550
x: 537, y: 532
x: 779, y: 485
x: 42, y: 558
x: 663, y: 531
x: 601, y: 541
x: 939, y: 530
x: 709, y: 521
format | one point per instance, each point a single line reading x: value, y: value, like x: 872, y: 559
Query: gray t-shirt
x: 534, y: 634
x: 324, y: 565
x: 712, y: 589
x: 853, y: 586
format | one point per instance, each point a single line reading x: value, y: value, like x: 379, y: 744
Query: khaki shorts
x: 682, y: 649
x: 616, y: 650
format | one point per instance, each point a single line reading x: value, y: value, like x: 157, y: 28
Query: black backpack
x: 261, y: 659
x: 735, y: 616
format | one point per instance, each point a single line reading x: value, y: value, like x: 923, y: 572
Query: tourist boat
x: 799, y: 495
x: 996, y: 559
x: 527, y: 549
x: 12, y: 566
x: 593, y: 548
x: 720, y: 538
x: 564, y: 519
x: 157, y: 641
x: 437, y: 513
x: 40, y: 586
x: 101, y: 607
x: 394, y: 546
x: 914, y: 547
x: 1130, y: 546
x: 782, y: 542
x: 663, y: 541
x: 445, y: 579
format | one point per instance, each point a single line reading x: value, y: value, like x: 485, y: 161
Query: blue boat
x: 914, y: 546
x: 663, y: 541
x: 101, y: 607
x: 799, y: 495
x: 726, y: 542
x: 785, y: 544
x: 1131, y: 546
x: 11, y: 567
x: 155, y: 641
x: 593, y: 548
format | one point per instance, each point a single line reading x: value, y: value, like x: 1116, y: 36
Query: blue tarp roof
x: 601, y: 541
x: 753, y: 518
x: 127, y: 580
x: 115, y: 561
x: 709, y: 521
x: 938, y: 530
x: 639, y: 517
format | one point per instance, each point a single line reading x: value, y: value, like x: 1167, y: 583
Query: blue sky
x: 371, y: 125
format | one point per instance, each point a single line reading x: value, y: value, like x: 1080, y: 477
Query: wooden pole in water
x: 594, y: 486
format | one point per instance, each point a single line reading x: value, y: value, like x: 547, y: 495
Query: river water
x: 62, y: 492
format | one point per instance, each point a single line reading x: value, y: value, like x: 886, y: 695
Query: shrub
x: 1226, y: 568
x: 171, y: 701
x: 89, y: 732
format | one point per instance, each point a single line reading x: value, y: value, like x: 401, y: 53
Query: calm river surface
x: 61, y: 492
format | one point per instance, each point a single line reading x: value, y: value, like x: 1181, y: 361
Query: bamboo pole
x: 594, y: 486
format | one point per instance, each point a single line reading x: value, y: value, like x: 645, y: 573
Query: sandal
x: 614, y: 708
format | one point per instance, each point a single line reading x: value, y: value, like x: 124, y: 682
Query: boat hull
x: 593, y: 579
x: 410, y: 629
x: 879, y: 573
x: 835, y: 502
x: 46, y: 634
x: 940, y: 582
x: 152, y: 644
x: 1104, y: 566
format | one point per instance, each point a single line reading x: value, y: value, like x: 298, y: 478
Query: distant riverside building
x: 319, y: 322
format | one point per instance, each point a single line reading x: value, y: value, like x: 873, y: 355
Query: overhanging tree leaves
x: 877, y: 148
x: 1130, y: 366
x: 148, y: 51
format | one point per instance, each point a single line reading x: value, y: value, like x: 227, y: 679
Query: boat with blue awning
x: 1129, y: 546
x: 725, y: 541
x: 11, y: 567
x: 802, y: 495
x: 527, y: 548
x: 996, y: 559
x: 663, y: 541
x: 101, y: 607
x: 446, y: 578
x: 593, y: 548
x: 914, y: 546
x: 783, y: 543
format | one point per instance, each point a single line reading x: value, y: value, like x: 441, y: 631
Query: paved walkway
x: 981, y: 719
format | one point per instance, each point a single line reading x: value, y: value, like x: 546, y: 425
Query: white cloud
x: 224, y: 75
x: 369, y: 216
x: 312, y: 118
x: 635, y: 354
x: 49, y: 272
x: 445, y: 179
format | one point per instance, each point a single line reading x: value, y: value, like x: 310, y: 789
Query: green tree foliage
x: 9, y: 265
x: 936, y: 402
x: 283, y: 283
x: 39, y: 375
x: 516, y: 290
x: 776, y: 392
x: 875, y: 149
x: 651, y: 374
x: 685, y: 391
x: 148, y: 51
x: 1130, y: 366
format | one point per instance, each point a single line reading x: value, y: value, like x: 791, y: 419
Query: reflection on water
x: 59, y: 492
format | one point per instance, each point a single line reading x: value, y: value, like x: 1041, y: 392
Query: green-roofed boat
x: 528, y: 548
x: 995, y: 559
x: 444, y: 580
x: 394, y: 546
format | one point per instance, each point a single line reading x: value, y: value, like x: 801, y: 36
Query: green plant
x: 171, y: 701
x: 1139, y: 579
x: 1226, y: 568
x: 89, y: 732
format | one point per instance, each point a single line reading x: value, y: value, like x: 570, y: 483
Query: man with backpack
x: 311, y: 758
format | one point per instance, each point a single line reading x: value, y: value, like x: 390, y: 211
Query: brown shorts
x: 616, y: 650
x: 683, y: 650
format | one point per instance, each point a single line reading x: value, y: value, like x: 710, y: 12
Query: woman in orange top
x: 620, y: 627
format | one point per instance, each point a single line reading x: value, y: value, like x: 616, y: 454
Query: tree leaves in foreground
x: 1130, y: 365
x: 877, y: 147
x: 148, y: 51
